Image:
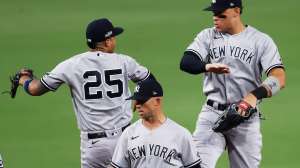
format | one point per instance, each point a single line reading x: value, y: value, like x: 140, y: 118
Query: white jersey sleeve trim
x: 197, y: 53
x: 115, y: 165
x: 274, y: 66
x: 148, y: 73
x: 137, y: 80
x: 46, y: 85
x: 194, y: 163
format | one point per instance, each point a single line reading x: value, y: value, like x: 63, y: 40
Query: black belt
x: 102, y: 134
x: 217, y: 105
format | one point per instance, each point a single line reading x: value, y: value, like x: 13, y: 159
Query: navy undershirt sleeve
x: 191, y: 63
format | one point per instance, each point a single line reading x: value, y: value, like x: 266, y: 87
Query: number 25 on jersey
x: 98, y: 82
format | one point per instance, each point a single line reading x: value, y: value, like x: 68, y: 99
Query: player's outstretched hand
x: 217, y: 68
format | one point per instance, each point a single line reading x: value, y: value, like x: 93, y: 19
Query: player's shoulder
x: 179, y: 128
x: 258, y: 34
x: 133, y: 127
x: 124, y: 56
x: 99, y: 55
x: 68, y: 62
x: 75, y: 58
x: 207, y: 31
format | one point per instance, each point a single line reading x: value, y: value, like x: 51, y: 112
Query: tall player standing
x: 233, y: 57
x: 98, y: 80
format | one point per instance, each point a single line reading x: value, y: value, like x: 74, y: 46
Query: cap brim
x: 211, y: 8
x: 208, y: 8
x: 130, y: 98
x: 117, y: 31
x: 136, y: 97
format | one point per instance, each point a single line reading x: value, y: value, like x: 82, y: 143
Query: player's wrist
x: 26, y: 85
x: 207, y: 67
x: 250, y: 99
x: 260, y: 92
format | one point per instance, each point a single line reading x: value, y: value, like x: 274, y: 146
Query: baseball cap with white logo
x: 146, y: 89
x: 221, y: 5
x: 100, y: 30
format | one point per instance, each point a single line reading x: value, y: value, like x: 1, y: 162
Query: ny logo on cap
x: 137, y: 88
x: 108, y: 34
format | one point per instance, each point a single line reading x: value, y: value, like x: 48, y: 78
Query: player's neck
x: 154, y: 121
x: 106, y: 50
x: 237, y: 28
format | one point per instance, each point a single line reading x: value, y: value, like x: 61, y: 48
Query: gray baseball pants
x: 97, y: 153
x: 243, y: 143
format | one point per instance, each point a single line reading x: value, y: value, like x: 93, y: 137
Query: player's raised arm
x: 195, y: 58
x: 31, y: 85
x: 192, y: 64
x: 137, y: 72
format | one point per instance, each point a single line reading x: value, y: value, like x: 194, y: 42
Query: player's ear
x: 134, y: 105
x: 107, y: 42
x: 158, y: 101
x: 237, y: 11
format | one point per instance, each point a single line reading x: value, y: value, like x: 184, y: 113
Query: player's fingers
x: 218, y: 65
x: 25, y: 73
x: 242, y: 112
x: 226, y: 70
x: 222, y: 70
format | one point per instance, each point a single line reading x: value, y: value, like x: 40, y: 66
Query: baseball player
x: 154, y: 140
x: 233, y: 57
x: 98, y: 80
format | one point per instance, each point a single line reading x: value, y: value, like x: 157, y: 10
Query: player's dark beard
x: 148, y: 117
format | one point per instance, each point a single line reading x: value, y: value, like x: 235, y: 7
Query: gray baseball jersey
x: 169, y: 145
x: 251, y: 50
x: 99, y: 86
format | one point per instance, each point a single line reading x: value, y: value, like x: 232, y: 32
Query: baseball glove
x: 14, y: 79
x: 232, y: 118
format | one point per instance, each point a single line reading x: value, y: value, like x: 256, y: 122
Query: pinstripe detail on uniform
x: 194, y: 163
x: 54, y: 77
x: 148, y: 73
x: 197, y: 53
x: 274, y: 66
x: 115, y: 165
x: 46, y: 85
x: 146, y: 76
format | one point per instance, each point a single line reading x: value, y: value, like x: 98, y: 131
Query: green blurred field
x: 41, y: 132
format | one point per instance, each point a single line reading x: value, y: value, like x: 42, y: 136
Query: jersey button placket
x: 227, y: 76
x: 147, y: 157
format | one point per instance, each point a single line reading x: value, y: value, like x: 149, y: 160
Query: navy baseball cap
x: 100, y: 30
x: 222, y: 5
x: 146, y: 89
